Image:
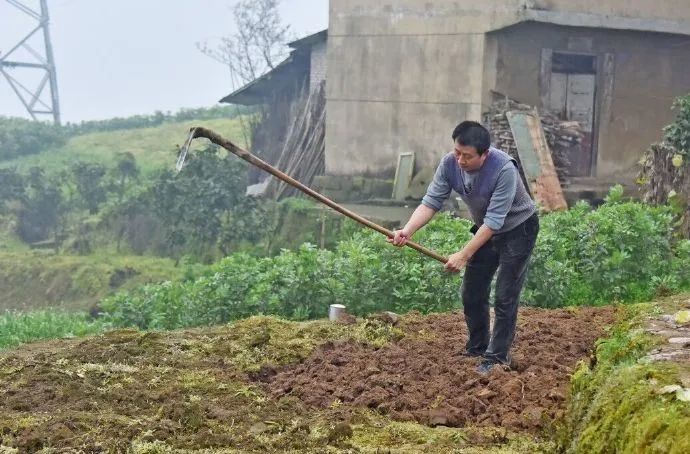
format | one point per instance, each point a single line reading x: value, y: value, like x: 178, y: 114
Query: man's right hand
x: 400, y: 238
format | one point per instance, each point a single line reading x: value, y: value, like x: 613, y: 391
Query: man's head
x: 472, y: 141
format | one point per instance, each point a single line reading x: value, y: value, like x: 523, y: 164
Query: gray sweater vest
x: 478, y: 199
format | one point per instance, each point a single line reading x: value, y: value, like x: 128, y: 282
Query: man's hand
x: 457, y: 262
x: 400, y: 238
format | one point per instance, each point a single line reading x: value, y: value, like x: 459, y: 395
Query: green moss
x: 198, y: 381
x: 614, y: 404
x: 260, y: 341
x: 409, y: 437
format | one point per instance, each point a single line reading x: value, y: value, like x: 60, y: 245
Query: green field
x: 153, y: 148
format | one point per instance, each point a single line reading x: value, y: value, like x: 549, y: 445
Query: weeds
x: 17, y: 329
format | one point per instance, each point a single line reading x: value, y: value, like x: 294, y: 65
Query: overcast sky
x: 125, y: 57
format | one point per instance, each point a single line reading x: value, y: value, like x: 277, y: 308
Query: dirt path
x: 424, y: 378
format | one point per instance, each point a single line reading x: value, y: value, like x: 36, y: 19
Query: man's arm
x: 421, y: 216
x: 458, y: 261
x: 437, y: 193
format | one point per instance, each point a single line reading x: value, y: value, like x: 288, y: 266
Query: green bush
x: 678, y: 132
x: 20, y: 137
x: 623, y: 251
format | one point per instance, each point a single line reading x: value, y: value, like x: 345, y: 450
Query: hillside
x: 34, y: 280
x: 153, y: 147
x: 76, y: 280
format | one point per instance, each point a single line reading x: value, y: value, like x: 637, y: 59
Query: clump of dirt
x: 424, y: 377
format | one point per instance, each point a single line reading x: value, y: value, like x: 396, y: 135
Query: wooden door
x: 572, y: 93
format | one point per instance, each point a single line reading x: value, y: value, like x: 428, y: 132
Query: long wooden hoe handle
x: 250, y: 158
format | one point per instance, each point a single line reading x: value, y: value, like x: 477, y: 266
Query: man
x: 505, y: 231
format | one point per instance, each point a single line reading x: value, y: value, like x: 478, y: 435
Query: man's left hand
x: 456, y: 262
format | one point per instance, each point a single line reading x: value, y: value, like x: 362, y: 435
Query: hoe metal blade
x: 185, y: 149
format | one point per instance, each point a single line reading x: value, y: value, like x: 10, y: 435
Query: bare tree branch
x: 257, y: 46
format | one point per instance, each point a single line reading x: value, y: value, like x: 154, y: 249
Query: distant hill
x: 153, y: 147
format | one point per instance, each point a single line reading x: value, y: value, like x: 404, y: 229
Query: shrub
x: 20, y: 137
x: 623, y: 251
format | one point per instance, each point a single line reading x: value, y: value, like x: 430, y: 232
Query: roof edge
x: 605, y: 21
x: 310, y: 39
x: 236, y: 95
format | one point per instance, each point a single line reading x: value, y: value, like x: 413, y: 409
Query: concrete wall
x: 647, y: 9
x: 319, y: 63
x: 397, y: 94
x: 650, y: 70
x: 402, y: 74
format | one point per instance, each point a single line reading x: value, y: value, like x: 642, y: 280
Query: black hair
x: 472, y: 134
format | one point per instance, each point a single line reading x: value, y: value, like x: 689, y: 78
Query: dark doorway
x: 572, y: 94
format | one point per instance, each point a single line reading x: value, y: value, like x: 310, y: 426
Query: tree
x: 20, y: 137
x: 12, y: 187
x: 88, y: 178
x: 257, y: 46
x: 42, y: 208
x: 125, y: 171
x: 665, y: 173
x: 205, y: 208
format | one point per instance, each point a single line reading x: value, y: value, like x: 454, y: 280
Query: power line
x: 38, y: 61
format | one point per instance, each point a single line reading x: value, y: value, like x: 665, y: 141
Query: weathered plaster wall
x: 651, y: 69
x: 402, y: 74
x: 647, y: 9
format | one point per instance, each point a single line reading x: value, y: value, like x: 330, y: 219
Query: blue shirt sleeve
x: 502, y: 197
x: 438, y: 190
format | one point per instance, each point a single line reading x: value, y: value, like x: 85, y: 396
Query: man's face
x: 468, y: 158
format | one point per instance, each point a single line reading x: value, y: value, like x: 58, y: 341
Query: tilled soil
x: 425, y: 378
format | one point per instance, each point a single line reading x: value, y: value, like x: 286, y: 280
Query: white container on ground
x: 336, y: 312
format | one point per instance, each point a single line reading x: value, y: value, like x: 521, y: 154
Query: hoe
x: 250, y: 158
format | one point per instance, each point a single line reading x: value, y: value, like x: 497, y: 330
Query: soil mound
x: 425, y: 378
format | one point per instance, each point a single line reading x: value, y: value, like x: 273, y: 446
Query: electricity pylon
x: 34, y: 100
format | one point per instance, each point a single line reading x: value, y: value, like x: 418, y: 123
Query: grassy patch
x: 38, y: 279
x: 258, y: 342
x: 153, y: 148
x: 17, y: 329
x: 615, y: 405
x: 126, y: 389
x: 408, y: 437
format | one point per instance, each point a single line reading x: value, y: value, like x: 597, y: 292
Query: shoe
x: 467, y: 354
x: 486, y: 366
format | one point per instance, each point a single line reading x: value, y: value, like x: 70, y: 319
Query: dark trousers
x: 508, y: 252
